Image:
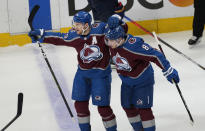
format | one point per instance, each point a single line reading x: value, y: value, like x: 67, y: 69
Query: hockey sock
x: 134, y: 118
x: 83, y: 114
x: 108, y: 118
x: 148, y: 121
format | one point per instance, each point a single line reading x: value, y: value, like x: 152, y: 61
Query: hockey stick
x: 180, y: 93
x: 30, y: 22
x: 179, y: 52
x: 19, y: 110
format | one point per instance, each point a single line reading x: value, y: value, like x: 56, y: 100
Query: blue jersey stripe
x: 43, y: 16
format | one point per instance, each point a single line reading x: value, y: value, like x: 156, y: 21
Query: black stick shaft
x: 30, y: 22
x: 177, y: 86
x: 55, y: 79
x: 180, y: 93
x: 10, y: 122
x: 179, y: 52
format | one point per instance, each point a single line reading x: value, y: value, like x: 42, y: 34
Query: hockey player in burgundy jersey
x: 132, y: 58
x: 93, y: 76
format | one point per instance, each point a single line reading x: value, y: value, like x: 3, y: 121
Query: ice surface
x: 23, y: 69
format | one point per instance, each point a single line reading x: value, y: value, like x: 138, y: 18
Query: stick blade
x: 20, y: 104
x: 32, y: 15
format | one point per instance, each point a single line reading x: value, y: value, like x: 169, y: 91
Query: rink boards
x: 160, y: 16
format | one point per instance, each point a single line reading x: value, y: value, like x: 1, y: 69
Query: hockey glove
x: 171, y: 74
x: 36, y: 35
x: 120, y: 10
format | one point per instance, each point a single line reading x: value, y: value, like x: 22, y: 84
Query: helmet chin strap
x: 120, y: 43
x: 84, y: 30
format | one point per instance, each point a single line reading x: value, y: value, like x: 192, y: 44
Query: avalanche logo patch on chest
x: 90, y: 53
x: 121, y: 63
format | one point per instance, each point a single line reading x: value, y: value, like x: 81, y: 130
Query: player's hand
x: 120, y: 10
x: 33, y: 39
x: 172, y: 75
x: 36, y: 34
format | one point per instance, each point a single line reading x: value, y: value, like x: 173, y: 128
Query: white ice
x: 23, y: 69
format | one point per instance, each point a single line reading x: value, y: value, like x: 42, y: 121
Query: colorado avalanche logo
x: 95, y: 25
x: 90, y: 53
x: 121, y: 63
x: 132, y: 40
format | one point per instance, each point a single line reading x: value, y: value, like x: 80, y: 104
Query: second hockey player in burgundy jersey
x: 133, y: 58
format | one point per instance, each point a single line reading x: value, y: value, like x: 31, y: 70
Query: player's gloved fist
x: 33, y: 39
x: 171, y: 74
x: 114, y: 21
x: 120, y: 10
x: 36, y: 34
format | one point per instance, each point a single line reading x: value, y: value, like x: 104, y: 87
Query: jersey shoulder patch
x: 134, y: 40
x: 131, y: 40
x: 134, y: 43
x: 95, y: 25
x: 98, y: 28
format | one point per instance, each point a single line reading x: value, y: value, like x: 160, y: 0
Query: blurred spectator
x: 198, y: 22
x: 103, y: 9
